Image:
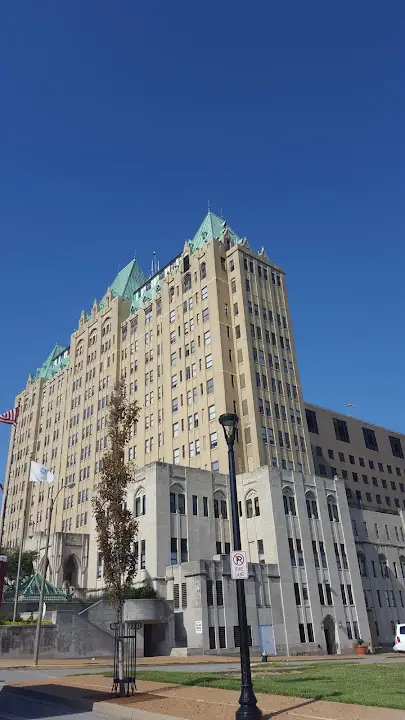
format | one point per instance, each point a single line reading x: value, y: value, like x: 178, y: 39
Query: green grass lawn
x: 380, y: 685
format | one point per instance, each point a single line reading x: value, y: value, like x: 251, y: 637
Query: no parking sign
x: 239, y: 566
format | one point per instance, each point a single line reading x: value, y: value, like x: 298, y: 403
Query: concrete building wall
x: 375, y: 475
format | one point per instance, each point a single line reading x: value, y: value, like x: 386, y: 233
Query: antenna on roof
x: 222, y: 215
x: 349, y: 405
x: 209, y: 209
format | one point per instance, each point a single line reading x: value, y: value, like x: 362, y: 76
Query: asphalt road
x: 13, y: 707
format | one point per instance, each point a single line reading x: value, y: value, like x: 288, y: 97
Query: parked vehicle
x: 399, y: 638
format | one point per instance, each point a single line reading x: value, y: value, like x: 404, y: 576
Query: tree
x: 115, y: 524
x: 28, y: 558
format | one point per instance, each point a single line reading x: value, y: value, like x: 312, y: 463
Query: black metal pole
x: 248, y: 709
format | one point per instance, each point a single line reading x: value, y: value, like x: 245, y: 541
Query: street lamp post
x: 43, y: 578
x: 248, y: 709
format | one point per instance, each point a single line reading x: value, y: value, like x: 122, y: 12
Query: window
x: 383, y: 566
x: 195, y: 504
x: 206, y: 315
x: 210, y: 386
x: 341, y: 430
x: 175, y: 429
x: 289, y: 502
x: 396, y: 446
x: 215, y: 466
x: 362, y: 564
x: 312, y: 508
x: 208, y: 361
x: 328, y: 594
x: 213, y: 440
x: 176, y: 456
x: 312, y: 421
x: 207, y: 337
x: 210, y: 594
x: 203, y: 271
x: 205, y: 506
x: 220, y: 592
x: 321, y: 595
x: 173, y: 551
x: 233, y: 285
x: 297, y: 594
x: 211, y: 412
x: 333, y: 510
x: 183, y: 550
x: 301, y: 628
x: 292, y: 552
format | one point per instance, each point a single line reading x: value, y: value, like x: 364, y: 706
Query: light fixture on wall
x: 340, y: 625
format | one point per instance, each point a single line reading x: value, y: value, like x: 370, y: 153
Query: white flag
x: 40, y: 474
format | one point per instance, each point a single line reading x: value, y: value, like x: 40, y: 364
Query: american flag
x: 10, y: 417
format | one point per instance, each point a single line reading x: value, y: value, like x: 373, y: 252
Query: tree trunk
x: 121, y: 678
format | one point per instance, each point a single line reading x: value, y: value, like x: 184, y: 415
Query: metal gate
x: 125, y: 655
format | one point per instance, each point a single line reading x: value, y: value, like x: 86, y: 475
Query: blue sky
x: 121, y: 120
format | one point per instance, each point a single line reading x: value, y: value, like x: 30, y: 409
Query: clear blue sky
x: 120, y: 120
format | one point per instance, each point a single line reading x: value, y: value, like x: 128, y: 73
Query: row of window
x: 318, y: 549
x: 342, y: 434
x: 369, y: 499
x: 312, y: 508
x: 352, y: 461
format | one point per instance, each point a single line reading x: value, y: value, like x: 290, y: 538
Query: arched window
x: 203, y: 271
x: 252, y: 506
x: 187, y: 283
x: 383, y: 566
x: 289, y: 502
x: 402, y: 561
x: 220, y: 506
x: 333, y: 509
x: 177, y: 500
x: 362, y: 564
x: 312, y: 508
x: 140, y: 503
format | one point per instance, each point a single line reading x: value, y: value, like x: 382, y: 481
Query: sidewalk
x: 154, y: 700
x: 174, y: 660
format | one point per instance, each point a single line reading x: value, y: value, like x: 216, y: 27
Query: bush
x: 144, y: 591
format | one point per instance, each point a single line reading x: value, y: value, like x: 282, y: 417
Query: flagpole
x: 17, y: 580
x: 5, y: 490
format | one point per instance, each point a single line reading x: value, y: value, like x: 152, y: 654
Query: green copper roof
x: 30, y: 589
x: 53, y: 363
x: 128, y: 280
x: 211, y: 227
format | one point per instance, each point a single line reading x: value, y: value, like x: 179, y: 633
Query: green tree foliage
x: 28, y: 558
x: 116, y: 526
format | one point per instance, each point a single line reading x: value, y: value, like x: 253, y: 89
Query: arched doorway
x: 71, y: 571
x: 330, y: 639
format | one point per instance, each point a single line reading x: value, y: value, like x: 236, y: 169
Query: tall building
x: 209, y: 333
x: 321, y: 495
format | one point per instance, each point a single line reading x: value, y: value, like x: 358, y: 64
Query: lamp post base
x: 250, y: 712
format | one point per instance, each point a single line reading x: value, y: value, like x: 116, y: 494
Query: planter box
x: 361, y: 650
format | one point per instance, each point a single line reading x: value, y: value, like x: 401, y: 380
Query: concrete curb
x: 113, y: 710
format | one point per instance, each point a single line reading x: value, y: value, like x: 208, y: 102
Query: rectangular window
x: 292, y: 552
x: 211, y: 412
x: 341, y: 430
x: 396, y: 446
x: 297, y: 594
x: 195, y: 505
x: 205, y: 506
x: 328, y: 594
x: 210, y: 386
x: 312, y: 421
x: 211, y: 635
x: 183, y: 550
x: 370, y: 439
